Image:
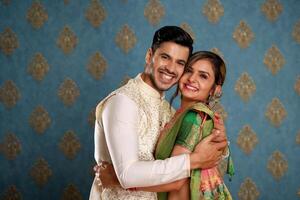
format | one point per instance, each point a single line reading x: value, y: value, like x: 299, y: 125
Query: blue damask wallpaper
x: 59, y: 58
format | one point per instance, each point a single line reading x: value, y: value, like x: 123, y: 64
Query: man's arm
x: 109, y: 179
x: 119, y: 120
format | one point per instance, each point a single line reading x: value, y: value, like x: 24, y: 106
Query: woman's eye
x: 203, y: 76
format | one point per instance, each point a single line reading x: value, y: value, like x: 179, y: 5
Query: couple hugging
x: 145, y: 150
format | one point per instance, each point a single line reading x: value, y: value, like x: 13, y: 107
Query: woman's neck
x: 185, y: 103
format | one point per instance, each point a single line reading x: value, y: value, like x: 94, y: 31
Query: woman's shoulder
x: 193, y: 117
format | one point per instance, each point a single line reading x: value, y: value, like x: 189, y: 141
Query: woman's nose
x: 192, y: 77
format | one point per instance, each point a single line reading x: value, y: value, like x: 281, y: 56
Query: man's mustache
x: 167, y: 72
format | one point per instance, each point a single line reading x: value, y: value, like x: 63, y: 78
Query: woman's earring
x: 218, y: 94
x: 214, y: 99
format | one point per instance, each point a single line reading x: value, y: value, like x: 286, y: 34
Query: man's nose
x: 171, y: 66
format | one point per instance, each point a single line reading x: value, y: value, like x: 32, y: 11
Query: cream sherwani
x: 127, y: 127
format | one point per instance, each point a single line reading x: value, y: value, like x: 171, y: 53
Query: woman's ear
x: 148, y: 56
x: 218, y: 91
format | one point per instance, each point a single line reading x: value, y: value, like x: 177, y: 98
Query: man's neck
x: 146, y: 78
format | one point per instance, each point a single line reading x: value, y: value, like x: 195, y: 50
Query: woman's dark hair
x: 219, y: 67
x: 172, y: 34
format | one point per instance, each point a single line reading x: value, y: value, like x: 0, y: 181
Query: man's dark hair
x: 172, y: 34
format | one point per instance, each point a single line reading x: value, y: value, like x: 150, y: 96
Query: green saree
x: 186, y: 129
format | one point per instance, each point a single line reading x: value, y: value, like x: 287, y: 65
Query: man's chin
x: 165, y: 87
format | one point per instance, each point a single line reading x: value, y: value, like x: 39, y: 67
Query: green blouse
x: 189, y: 132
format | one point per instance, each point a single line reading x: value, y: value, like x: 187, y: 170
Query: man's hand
x: 106, y: 175
x: 207, y: 153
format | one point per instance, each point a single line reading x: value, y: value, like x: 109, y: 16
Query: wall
x: 59, y: 58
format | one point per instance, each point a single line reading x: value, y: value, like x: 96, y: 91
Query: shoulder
x: 119, y: 104
x: 120, y: 101
x: 192, y: 117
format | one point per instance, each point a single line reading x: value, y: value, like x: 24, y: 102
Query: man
x: 129, y: 120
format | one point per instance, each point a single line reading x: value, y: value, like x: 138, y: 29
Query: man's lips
x: 166, y: 77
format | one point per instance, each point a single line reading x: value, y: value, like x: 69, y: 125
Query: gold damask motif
x: 243, y: 34
x: 298, y: 192
x: 11, y: 146
x: 95, y: 13
x: 71, y: 193
x: 275, y: 112
x: 125, y: 80
x: 296, y: 32
x: 247, y: 139
x: 11, y: 193
x: 298, y: 138
x: 274, y: 60
x: 9, y: 94
x: 8, y: 41
x: 6, y: 2
x: 37, y: 15
x: 92, y: 117
x: 91, y: 171
x: 213, y: 10
x: 245, y: 87
x: 68, y: 92
x: 188, y: 29
x: 297, y: 85
x: 38, y: 67
x: 39, y: 119
x: 218, y: 52
x: 96, y: 66
x: 272, y: 9
x: 154, y: 11
x: 248, y: 190
x: 125, y: 39
x: 67, y: 40
x: 69, y: 144
x: 41, y: 172
x: 220, y: 109
x: 277, y: 165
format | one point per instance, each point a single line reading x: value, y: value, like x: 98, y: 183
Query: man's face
x: 165, y: 66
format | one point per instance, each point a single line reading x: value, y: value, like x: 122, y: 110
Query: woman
x: 200, y: 86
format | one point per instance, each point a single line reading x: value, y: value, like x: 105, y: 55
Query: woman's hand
x: 219, y: 130
x: 105, y: 175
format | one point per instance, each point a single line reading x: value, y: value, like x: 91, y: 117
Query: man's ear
x: 148, y: 56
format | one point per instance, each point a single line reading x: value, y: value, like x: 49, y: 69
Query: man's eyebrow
x: 165, y: 54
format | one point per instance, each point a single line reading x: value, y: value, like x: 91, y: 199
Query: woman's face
x: 197, y: 81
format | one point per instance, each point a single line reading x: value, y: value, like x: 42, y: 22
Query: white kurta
x: 126, y: 131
